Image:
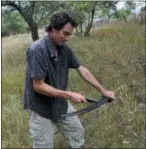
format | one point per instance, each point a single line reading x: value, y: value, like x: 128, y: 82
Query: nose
x: 67, y: 38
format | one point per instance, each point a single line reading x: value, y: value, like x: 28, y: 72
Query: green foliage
x: 105, y: 8
x: 43, y: 11
x: 39, y: 13
x: 13, y: 23
x: 122, y: 13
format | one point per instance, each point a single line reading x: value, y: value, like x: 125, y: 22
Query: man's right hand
x: 76, y: 97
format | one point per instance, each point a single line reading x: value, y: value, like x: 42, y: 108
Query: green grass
x: 115, y: 55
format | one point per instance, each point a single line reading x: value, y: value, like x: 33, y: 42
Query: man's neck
x: 52, y: 40
x: 53, y: 44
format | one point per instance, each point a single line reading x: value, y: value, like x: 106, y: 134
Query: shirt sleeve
x: 36, y: 63
x: 73, y: 60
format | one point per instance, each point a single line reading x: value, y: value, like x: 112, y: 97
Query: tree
x: 36, y: 13
x: 142, y: 15
x: 32, y: 11
x: 13, y: 23
x: 122, y: 14
x: 85, y: 11
x: 107, y: 8
x: 26, y: 10
x: 130, y: 5
x: 90, y: 22
x: 143, y: 9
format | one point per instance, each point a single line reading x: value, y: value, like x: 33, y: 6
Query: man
x: 48, y: 63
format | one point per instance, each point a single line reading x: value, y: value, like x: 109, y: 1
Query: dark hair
x: 58, y: 20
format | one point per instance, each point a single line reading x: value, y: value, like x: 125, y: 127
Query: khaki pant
x: 42, y: 130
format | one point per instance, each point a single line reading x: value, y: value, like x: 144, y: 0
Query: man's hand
x: 76, y: 97
x: 110, y: 94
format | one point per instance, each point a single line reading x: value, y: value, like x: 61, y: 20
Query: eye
x: 66, y: 33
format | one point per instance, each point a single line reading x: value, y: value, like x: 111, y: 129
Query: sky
x: 137, y: 10
x: 120, y: 5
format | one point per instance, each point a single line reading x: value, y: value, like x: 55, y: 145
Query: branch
x: 31, y: 7
x: 8, y: 11
x: 5, y: 3
x: 43, y: 16
x: 19, y: 3
x: 27, y: 16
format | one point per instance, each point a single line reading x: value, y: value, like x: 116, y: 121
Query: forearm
x: 87, y: 76
x: 50, y: 91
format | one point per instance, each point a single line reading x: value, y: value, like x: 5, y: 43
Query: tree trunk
x: 77, y: 32
x: 32, y: 25
x: 28, y: 17
x: 34, y: 31
x: 81, y: 27
x: 87, y: 30
x: 142, y: 18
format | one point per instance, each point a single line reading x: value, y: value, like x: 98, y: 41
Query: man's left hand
x: 110, y: 94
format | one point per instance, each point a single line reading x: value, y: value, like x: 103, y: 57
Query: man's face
x: 63, y: 35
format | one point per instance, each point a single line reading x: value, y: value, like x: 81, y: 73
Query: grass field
x: 116, y: 56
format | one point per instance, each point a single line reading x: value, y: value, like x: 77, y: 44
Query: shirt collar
x: 50, y: 46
